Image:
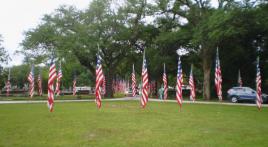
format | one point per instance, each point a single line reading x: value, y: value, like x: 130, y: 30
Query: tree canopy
x: 3, y: 53
x: 123, y: 30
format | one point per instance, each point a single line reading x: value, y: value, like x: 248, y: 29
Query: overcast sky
x: 18, y: 16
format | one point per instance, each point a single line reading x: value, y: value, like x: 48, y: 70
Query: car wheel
x: 234, y: 99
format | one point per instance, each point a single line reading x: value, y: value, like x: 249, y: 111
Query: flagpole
x: 239, y: 79
x: 8, y: 88
x: 133, y: 68
x: 165, y: 84
x: 40, y: 86
x: 164, y: 67
x: 9, y: 73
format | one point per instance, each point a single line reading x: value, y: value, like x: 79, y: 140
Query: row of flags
x: 145, y: 82
x: 100, y: 83
x: 145, y: 88
x: 31, y: 80
x: 52, y: 76
x: 119, y: 85
x: 179, y: 98
x: 218, y: 81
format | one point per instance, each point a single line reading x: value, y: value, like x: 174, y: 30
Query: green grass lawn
x: 126, y: 124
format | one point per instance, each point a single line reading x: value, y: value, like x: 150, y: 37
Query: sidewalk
x: 132, y: 99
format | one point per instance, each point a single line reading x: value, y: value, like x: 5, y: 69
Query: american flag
x: 39, y: 83
x: 258, y: 86
x: 239, y: 81
x: 145, y: 88
x: 165, y: 83
x: 31, y: 82
x: 52, y: 76
x: 152, y: 87
x: 59, y: 76
x: 192, y: 85
x: 179, y: 84
x: 133, y: 78
x: 218, y: 78
x: 99, y: 80
x: 104, y: 85
x: 8, y: 85
x: 74, y: 86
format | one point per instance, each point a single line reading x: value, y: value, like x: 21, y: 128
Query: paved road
x: 130, y: 99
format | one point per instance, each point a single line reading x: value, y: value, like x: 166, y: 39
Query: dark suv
x: 237, y: 94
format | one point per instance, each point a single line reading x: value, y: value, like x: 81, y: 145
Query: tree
x: 74, y: 35
x: 77, y: 34
x: 3, y: 53
x: 196, y: 25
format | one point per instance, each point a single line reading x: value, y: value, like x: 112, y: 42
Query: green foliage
x: 73, y: 35
x: 3, y: 53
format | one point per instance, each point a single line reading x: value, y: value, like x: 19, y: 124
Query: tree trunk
x: 206, y: 57
x: 109, y: 83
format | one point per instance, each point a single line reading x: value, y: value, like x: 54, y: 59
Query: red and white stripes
x: 192, y: 85
x: 52, y: 75
x: 133, y: 78
x: 74, y: 86
x: 31, y: 82
x: 258, y: 86
x: 145, y: 88
x: 59, y: 76
x: 39, y: 83
x: 179, y: 84
x: 165, y: 83
x: 218, y: 77
x: 99, y: 80
x: 8, y: 84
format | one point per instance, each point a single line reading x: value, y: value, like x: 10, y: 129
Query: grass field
x: 126, y: 124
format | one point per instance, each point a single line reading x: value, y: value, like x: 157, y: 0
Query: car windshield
x: 249, y: 89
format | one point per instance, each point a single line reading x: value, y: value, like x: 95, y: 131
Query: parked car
x: 238, y: 94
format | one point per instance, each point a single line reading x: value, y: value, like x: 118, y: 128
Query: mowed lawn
x: 126, y: 124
